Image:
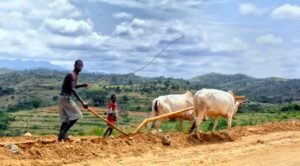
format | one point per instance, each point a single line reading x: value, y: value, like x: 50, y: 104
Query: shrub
x: 290, y: 107
x: 96, y: 131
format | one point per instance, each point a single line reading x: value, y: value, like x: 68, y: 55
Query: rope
x: 157, y: 55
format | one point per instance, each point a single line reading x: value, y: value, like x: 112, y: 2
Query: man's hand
x: 85, y: 105
x: 81, y: 86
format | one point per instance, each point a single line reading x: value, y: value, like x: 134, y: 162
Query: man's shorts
x: 68, y: 110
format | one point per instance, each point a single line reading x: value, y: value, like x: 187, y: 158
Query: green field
x: 46, y: 121
x: 242, y: 119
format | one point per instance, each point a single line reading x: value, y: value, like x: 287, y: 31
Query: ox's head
x: 238, y: 101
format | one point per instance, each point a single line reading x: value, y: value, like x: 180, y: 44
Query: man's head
x: 78, y: 65
x: 113, y: 98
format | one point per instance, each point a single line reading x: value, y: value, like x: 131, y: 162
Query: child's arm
x: 108, y: 109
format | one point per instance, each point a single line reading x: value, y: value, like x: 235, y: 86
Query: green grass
x: 43, y: 122
x: 242, y: 119
x: 98, y: 131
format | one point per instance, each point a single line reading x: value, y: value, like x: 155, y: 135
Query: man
x: 68, y: 110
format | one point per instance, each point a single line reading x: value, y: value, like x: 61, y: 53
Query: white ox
x: 171, y: 103
x: 213, y: 104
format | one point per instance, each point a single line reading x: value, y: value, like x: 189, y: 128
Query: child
x: 112, y: 110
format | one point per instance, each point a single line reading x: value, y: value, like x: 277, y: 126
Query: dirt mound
x: 47, y: 151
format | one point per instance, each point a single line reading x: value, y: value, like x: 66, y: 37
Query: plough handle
x: 95, y: 113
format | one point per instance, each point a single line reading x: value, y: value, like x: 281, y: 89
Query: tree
x: 138, y: 108
x: 4, y: 120
x: 130, y: 82
x: 36, y: 103
x: 54, y: 98
x: 118, y: 89
x: 125, y: 98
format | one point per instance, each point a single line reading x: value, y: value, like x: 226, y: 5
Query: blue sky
x: 256, y: 38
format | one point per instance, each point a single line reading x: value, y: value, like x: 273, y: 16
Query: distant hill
x: 27, y: 65
x: 5, y: 71
x: 267, y: 90
x: 225, y: 81
x: 40, y: 87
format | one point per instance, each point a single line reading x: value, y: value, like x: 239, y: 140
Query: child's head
x: 113, y: 98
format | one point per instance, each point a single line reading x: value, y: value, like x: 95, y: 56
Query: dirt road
x: 280, y: 148
x: 268, y: 144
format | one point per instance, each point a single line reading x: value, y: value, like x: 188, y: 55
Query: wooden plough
x: 145, y: 121
x: 160, y: 117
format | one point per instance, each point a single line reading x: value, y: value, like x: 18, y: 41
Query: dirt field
x: 268, y: 144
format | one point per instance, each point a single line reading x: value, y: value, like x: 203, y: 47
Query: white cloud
x: 21, y: 35
x: 122, y: 15
x: 68, y: 27
x: 225, y: 45
x: 250, y: 9
x: 89, y: 43
x: 36, y: 9
x: 146, y: 37
x: 269, y: 39
x: 137, y: 27
x: 3, y: 34
x: 63, y: 30
x: 165, y: 5
x: 286, y: 11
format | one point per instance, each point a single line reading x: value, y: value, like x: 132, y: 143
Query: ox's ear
x: 239, y: 100
x: 229, y: 91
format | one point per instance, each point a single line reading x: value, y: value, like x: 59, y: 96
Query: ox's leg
x: 205, y: 118
x: 149, y: 126
x: 199, y: 119
x: 193, y: 124
x: 180, y: 125
x: 215, y: 123
x: 157, y: 126
x: 229, y: 121
x: 165, y: 108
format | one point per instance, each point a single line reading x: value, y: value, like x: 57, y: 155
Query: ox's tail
x: 153, y: 114
x: 156, y: 107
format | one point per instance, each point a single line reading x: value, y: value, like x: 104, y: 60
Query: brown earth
x: 267, y: 144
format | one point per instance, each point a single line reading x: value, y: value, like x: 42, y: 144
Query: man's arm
x: 85, y: 105
x: 81, y: 86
